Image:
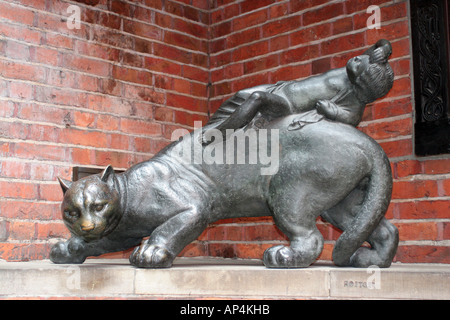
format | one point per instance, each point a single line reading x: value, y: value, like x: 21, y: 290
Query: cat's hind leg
x: 297, y: 219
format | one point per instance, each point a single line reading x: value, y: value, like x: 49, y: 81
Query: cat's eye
x: 71, y: 214
x: 99, y: 207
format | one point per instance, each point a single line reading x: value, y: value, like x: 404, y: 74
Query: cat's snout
x: 87, y: 226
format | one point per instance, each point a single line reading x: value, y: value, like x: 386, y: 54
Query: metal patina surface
x: 288, y: 150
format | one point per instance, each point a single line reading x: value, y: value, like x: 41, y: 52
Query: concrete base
x: 220, y: 278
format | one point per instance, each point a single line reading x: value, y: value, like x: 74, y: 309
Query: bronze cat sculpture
x: 325, y: 167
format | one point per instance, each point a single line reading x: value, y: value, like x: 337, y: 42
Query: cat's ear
x: 65, y: 184
x: 107, y: 174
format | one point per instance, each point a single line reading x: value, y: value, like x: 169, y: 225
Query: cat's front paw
x: 71, y: 251
x: 151, y: 256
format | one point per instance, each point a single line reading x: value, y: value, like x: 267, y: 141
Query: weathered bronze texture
x: 321, y: 165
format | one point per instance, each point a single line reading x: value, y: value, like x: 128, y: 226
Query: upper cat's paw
x: 68, y: 252
x: 151, y: 256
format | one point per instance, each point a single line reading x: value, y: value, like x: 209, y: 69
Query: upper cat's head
x: 91, y: 206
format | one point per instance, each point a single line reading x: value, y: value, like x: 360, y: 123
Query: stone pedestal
x: 221, y: 278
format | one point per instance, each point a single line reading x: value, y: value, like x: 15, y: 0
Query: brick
x: 96, y: 50
x: 22, y: 230
x: 389, y: 129
x: 103, y: 122
x: 39, y: 171
x: 408, y: 167
x: 184, y: 41
x: 40, y: 152
x: 29, y: 210
x: 4, y: 230
x: 81, y: 156
x: 17, y: 51
x: 142, y: 110
x: 344, y: 43
x: 352, y: 6
x: 441, y: 166
x: 417, y: 231
x: 251, y: 19
x: 22, y: 71
x: 262, y: 232
x: 119, y: 141
x: 391, y: 108
x: 13, y: 169
x: 279, y: 43
x: 116, y: 159
x: 290, y: 73
x: 249, y: 81
x: 445, y: 231
x: 132, y: 75
x: 197, y: 249
x: 250, y: 5
x: 61, y: 96
x: 97, y: 67
x: 83, y: 119
x: 424, y: 209
x: 250, y: 51
x: 161, y: 65
x: 21, y: 91
x: 140, y: 144
x: 343, y: 25
x: 44, y: 55
x: 110, y: 86
x: 164, y: 114
x: 195, y: 74
x: 251, y: 251
x: 299, y: 54
x: 397, y: 148
x: 141, y: 127
x: 23, y: 251
x: 140, y: 94
x: 444, y: 187
x: 241, y: 38
x: 423, y: 254
x: 16, y: 13
x: 324, y: 13
x: 251, y: 66
x: 83, y: 137
x: 20, y: 32
x: 20, y: 190
x: 414, y: 189
x: 58, y: 41
x: 7, y: 109
x: 109, y: 20
x: 278, y: 27
x: 401, y: 87
x: 186, y: 102
x: 279, y: 10
x: 222, y: 29
x: 46, y: 231
x: 14, y: 130
x: 390, y: 32
x: 143, y: 30
x: 189, y: 119
x: 50, y: 192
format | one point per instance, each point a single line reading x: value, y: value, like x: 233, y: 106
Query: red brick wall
x: 109, y: 92
x: 114, y: 90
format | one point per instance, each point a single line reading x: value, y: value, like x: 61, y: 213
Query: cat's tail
x: 373, y: 209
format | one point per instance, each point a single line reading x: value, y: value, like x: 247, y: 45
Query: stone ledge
x: 220, y: 278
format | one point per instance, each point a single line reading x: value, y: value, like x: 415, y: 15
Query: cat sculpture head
x: 91, y: 206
